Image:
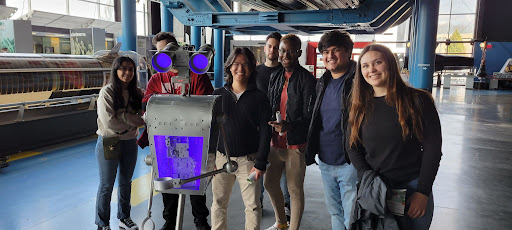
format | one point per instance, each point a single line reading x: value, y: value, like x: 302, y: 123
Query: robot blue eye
x: 161, y: 62
x: 198, y: 63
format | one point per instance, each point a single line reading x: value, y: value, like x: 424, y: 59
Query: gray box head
x: 179, y: 136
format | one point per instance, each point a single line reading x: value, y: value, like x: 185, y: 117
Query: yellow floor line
x: 140, y: 190
x: 22, y: 155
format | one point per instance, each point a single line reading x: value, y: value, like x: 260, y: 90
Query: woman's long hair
x: 399, y: 95
x: 251, y: 60
x: 135, y: 100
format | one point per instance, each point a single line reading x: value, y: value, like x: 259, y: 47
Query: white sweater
x: 116, y: 123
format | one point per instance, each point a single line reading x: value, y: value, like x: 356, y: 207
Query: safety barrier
x: 55, y: 102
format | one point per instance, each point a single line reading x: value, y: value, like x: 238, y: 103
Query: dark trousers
x: 199, y: 209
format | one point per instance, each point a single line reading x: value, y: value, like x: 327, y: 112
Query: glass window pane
x: 140, y: 6
x: 465, y: 24
x: 463, y: 6
x: 140, y: 24
x: 77, y: 8
x: 106, y: 13
x: 21, y: 5
x: 443, y: 25
x: 53, y: 6
x: 444, y: 6
x: 108, y: 2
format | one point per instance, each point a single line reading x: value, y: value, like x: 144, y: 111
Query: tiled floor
x: 57, y: 189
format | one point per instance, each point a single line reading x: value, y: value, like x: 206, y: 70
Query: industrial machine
x: 48, y: 98
x: 33, y: 77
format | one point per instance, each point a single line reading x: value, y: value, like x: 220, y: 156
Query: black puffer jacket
x: 314, y: 127
x: 299, y: 107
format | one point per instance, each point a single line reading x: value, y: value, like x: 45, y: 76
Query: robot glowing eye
x: 161, y: 62
x: 198, y: 63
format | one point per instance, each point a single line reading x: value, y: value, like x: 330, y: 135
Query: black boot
x: 203, y: 225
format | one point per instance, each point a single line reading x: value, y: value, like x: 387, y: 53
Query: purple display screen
x: 179, y: 157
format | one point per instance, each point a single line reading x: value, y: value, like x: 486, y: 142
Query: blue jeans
x: 340, y: 192
x: 108, y: 171
x: 284, y: 187
x: 422, y: 223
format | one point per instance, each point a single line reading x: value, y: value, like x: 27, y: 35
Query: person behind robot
x: 119, y: 116
x: 160, y: 83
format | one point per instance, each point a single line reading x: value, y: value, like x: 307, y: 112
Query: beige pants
x: 222, y: 185
x: 294, y: 162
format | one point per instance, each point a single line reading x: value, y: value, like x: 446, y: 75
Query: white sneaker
x: 127, y: 224
x: 274, y: 227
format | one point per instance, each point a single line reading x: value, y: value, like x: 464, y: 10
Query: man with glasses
x: 327, y: 129
x: 292, y: 92
x: 160, y: 83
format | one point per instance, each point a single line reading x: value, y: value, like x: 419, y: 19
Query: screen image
x: 179, y: 157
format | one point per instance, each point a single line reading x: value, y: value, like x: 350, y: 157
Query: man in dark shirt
x: 326, y: 135
x: 271, y: 64
x: 263, y: 72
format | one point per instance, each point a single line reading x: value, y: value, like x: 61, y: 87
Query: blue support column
x: 166, y: 19
x: 218, y: 76
x: 423, y: 44
x: 195, y: 36
x: 129, y: 25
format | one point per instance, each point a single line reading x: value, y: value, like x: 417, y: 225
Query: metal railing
x: 56, y: 102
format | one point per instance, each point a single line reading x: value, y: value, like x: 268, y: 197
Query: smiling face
x: 240, y: 70
x: 336, y: 59
x: 375, y: 70
x: 272, y: 49
x: 289, y: 54
x: 125, y: 72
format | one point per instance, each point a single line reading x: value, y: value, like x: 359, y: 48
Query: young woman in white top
x: 119, y: 116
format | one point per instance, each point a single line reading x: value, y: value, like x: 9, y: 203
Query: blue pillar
x: 166, y: 19
x: 218, y: 76
x: 195, y: 36
x: 129, y: 25
x: 423, y: 44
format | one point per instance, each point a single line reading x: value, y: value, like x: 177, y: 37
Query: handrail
x: 21, y: 106
x: 49, y: 100
x: 30, y: 70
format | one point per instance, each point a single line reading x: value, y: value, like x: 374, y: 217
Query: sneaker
x: 104, y: 228
x: 287, y: 213
x: 127, y: 224
x: 275, y: 227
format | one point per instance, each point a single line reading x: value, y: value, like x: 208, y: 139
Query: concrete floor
x: 56, y: 189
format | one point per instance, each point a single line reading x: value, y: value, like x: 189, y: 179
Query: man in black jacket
x: 292, y: 92
x: 326, y: 134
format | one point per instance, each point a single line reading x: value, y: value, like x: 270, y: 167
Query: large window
x: 456, y: 23
x: 142, y: 17
x: 96, y: 9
